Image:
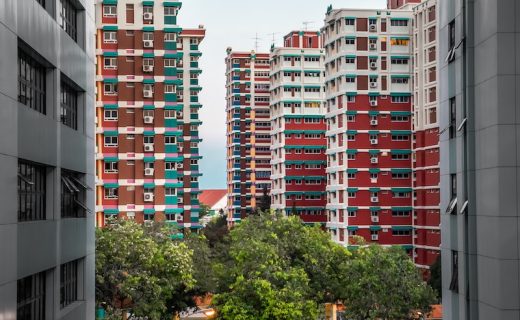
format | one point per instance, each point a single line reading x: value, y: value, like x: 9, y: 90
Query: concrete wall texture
x: 484, y: 80
x: 28, y: 248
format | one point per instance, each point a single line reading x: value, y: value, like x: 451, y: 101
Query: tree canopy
x: 139, y: 269
x: 278, y: 268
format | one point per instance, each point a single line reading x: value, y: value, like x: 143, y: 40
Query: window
x: 399, y: 23
x: 31, y: 82
x: 170, y: 191
x: 399, y: 42
x: 400, y: 137
x: 110, y: 63
x: 32, y: 180
x: 111, y: 167
x: 41, y: 2
x: 170, y: 11
x: 110, y: 141
x: 148, y: 36
x: 401, y: 194
x: 110, y: 88
x: 401, y: 232
x: 69, y: 106
x: 399, y: 61
x: 169, y: 88
x: 110, y: 115
x: 129, y: 13
x: 350, y: 41
x: 399, y: 118
x: 170, y: 36
x: 350, y: 21
x: 453, y: 118
x: 400, y: 99
x: 452, y: 206
x: 111, y: 193
x: 400, y: 213
x: 109, y: 11
x: 68, y: 283
x: 170, y: 62
x: 30, y: 297
x: 170, y: 140
x: 109, y: 37
x: 352, y: 213
x: 451, y: 35
x: 68, y: 18
x: 72, y: 195
x: 454, y: 283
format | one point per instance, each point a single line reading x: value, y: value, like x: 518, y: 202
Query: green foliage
x: 204, y: 210
x: 277, y: 269
x: 435, y: 280
x: 383, y: 283
x: 139, y: 268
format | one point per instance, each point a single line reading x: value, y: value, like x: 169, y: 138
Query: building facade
x: 298, y: 127
x: 47, y: 178
x: 248, y: 130
x: 369, y: 137
x: 479, y: 147
x: 147, y: 112
x: 426, y: 174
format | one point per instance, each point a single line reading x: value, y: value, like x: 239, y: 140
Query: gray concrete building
x: 47, y: 99
x: 479, y: 87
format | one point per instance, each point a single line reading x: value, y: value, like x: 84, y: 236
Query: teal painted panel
x: 170, y: 148
x: 170, y: 199
x: 171, y: 174
x: 170, y: 72
x: 170, y: 97
x: 170, y: 20
x: 171, y: 123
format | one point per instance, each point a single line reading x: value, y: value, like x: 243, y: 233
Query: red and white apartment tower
x: 368, y: 101
x: 248, y: 130
x: 427, y: 234
x: 298, y: 127
x: 147, y: 161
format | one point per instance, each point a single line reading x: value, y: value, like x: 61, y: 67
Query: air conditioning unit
x: 147, y: 68
x: 148, y: 172
x: 373, y: 65
x: 374, y: 218
x: 415, y: 236
x: 148, y: 147
x: 373, y: 85
x: 148, y: 119
x: 147, y: 16
x: 374, y: 237
x: 373, y: 180
x: 148, y: 197
x: 179, y: 165
x: 147, y: 93
x: 373, y: 103
x: 373, y: 160
x: 148, y: 43
x: 372, y: 27
x: 179, y: 218
x: 373, y: 46
x: 373, y: 141
x: 374, y: 199
x: 373, y: 122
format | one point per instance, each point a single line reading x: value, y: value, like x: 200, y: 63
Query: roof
x: 436, y: 312
x: 210, y: 197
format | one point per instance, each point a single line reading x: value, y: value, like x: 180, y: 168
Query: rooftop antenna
x: 257, y: 40
x: 273, y: 35
x: 306, y: 24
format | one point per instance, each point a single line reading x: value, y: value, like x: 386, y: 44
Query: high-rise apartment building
x: 298, y: 127
x: 248, y: 132
x: 368, y: 101
x: 400, y: 4
x: 147, y: 113
x: 426, y: 158
x: 46, y: 152
x: 479, y: 48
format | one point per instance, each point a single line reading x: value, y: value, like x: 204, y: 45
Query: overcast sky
x: 235, y: 23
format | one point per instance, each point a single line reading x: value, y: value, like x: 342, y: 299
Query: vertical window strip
x: 31, y: 82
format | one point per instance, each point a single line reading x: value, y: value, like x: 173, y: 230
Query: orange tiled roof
x: 211, y: 196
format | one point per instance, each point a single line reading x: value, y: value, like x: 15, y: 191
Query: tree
x: 435, y: 280
x: 265, y: 201
x: 139, y: 268
x: 204, y: 210
x: 383, y: 283
x: 278, y: 269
